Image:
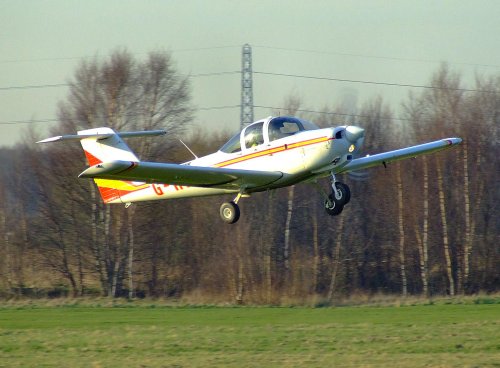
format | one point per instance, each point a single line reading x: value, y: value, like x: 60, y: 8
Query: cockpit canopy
x: 268, y: 130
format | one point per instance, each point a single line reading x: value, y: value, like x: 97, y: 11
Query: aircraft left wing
x: 400, y: 154
x: 186, y: 175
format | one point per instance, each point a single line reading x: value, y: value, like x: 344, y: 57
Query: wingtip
x: 454, y: 141
x: 51, y: 139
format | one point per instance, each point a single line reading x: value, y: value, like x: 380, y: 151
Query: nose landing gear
x: 340, y: 196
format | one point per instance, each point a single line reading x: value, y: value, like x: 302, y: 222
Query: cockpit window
x: 253, y: 135
x: 308, y: 125
x: 279, y: 127
x: 233, y: 145
x: 285, y: 126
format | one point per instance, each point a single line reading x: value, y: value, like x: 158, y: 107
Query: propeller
x: 353, y: 133
x: 356, y: 136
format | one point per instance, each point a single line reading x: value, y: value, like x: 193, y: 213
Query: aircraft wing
x: 197, y: 176
x: 400, y: 154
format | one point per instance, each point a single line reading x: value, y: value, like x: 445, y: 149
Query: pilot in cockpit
x: 254, y: 139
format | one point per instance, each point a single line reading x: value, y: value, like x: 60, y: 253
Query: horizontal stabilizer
x: 99, y: 136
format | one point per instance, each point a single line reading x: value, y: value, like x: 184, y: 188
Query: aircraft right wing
x: 400, y: 154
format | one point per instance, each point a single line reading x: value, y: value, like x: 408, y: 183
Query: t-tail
x: 105, y: 145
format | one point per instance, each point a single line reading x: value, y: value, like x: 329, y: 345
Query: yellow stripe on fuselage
x: 272, y: 150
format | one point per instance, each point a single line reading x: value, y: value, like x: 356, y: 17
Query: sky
x: 402, y: 42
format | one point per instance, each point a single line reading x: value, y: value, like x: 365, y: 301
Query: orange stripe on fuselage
x: 270, y: 151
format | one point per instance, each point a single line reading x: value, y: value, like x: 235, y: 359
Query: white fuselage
x: 300, y: 157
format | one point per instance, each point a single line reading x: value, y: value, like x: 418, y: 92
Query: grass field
x: 463, y: 335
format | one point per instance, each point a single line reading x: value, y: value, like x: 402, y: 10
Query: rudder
x: 112, y: 147
x: 98, y: 150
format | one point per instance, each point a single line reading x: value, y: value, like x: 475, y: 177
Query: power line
x: 328, y: 113
x: 218, y: 107
x: 10, y: 61
x: 371, y: 82
x: 39, y: 86
x: 53, y: 120
x: 206, y: 48
x: 332, y: 79
x: 323, y: 52
x: 311, y: 51
x: 18, y: 122
x: 211, y: 74
x: 341, y: 114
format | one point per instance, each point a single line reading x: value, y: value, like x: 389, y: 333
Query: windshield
x: 253, y: 135
x: 233, y: 145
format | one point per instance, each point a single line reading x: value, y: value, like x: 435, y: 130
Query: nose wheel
x: 340, y: 196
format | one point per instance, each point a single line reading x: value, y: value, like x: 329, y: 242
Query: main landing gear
x: 334, y: 202
x: 340, y: 196
x: 230, y: 211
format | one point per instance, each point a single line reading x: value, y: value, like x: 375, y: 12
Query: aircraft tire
x: 333, y: 207
x: 346, y: 192
x: 229, y: 212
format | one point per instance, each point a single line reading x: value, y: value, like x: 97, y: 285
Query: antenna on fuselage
x: 189, y: 149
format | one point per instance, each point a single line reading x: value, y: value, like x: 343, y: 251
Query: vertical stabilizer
x: 110, y: 148
x: 106, y: 146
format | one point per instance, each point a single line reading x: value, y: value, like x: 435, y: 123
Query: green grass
x: 463, y: 335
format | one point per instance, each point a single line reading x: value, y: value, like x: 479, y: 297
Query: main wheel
x: 346, y: 192
x: 229, y: 212
x: 333, y: 206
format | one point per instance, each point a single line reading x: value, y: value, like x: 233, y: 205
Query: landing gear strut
x: 340, y: 196
x: 230, y: 211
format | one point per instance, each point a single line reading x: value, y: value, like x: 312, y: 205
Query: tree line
x: 428, y: 226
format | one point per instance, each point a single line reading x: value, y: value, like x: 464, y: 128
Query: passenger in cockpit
x: 275, y: 130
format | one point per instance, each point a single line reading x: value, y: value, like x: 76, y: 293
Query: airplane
x: 270, y: 153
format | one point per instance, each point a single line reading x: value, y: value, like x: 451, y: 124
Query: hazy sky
x: 42, y: 42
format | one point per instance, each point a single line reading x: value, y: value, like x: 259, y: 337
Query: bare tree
x: 414, y: 109
x: 443, y: 237
x: 399, y: 183
x: 124, y: 94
